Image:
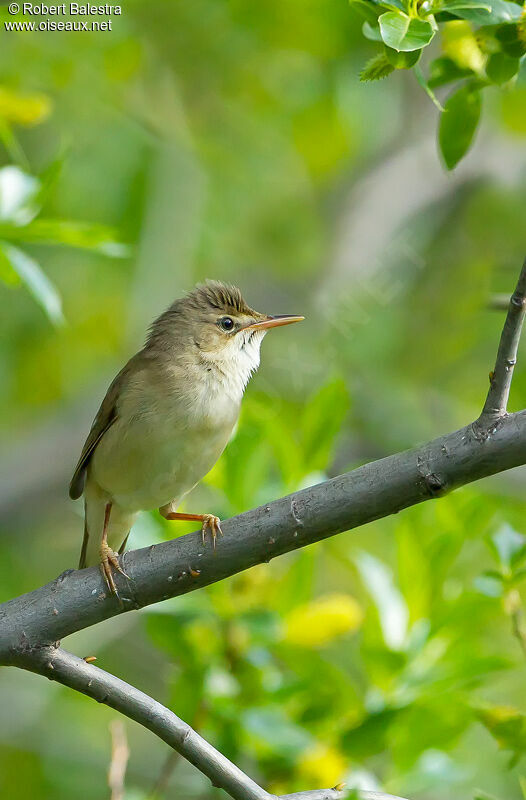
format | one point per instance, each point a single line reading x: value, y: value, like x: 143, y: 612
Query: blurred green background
x: 233, y: 140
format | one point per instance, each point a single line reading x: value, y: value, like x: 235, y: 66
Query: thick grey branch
x: 59, y: 665
x: 78, y: 599
x: 500, y: 380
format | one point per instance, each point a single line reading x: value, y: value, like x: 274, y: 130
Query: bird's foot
x: 109, y: 562
x: 209, y: 522
x: 213, y: 524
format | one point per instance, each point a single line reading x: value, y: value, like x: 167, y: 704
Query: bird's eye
x: 227, y: 323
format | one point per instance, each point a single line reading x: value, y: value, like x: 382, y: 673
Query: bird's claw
x: 213, y: 524
x: 109, y: 561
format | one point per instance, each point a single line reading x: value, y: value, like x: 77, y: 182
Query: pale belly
x: 142, y: 466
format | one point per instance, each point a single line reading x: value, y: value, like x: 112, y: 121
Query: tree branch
x: 69, y: 670
x: 32, y: 623
x: 78, y: 599
x: 500, y: 379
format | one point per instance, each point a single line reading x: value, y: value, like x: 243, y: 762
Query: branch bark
x: 32, y: 625
x: 78, y: 599
x: 500, y: 379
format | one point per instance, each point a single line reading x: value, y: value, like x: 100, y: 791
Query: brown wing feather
x: 106, y: 416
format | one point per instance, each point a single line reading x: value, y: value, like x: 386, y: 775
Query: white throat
x: 237, y: 362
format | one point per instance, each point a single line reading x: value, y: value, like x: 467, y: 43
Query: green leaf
x: 83, y: 235
x: 8, y: 274
x: 37, y: 283
x: 371, y: 32
x: 18, y: 195
x: 522, y: 781
x: 401, y: 59
x: 377, y: 67
x: 404, y: 33
x: 518, y: 576
x: 443, y: 70
x: 511, y: 40
x: 507, y: 726
x: 508, y: 546
x: 321, y: 423
x: 274, y: 732
x: 501, y: 68
x: 367, y: 10
x: 394, y: 5
x: 500, y: 11
x: 453, y: 6
x: 12, y: 145
x: 458, y: 124
x: 488, y: 585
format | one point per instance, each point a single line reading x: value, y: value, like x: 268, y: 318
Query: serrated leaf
x: 458, y: 124
x: 36, y: 281
x: 377, y: 67
x: 405, y: 33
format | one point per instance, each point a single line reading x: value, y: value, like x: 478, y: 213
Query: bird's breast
x: 159, y: 448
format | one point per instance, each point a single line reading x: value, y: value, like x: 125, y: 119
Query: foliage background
x: 234, y: 140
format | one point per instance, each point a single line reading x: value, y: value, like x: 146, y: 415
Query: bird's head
x: 219, y: 327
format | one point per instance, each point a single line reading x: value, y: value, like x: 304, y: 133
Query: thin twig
x: 500, y: 379
x: 119, y: 759
x: 518, y: 629
x: 513, y: 608
x: 161, y: 784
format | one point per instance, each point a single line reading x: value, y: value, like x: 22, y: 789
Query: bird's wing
x: 106, y: 416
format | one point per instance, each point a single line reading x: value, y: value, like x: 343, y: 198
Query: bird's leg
x: 109, y: 559
x: 209, y: 522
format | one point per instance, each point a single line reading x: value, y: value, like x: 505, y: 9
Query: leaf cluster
x: 483, y: 44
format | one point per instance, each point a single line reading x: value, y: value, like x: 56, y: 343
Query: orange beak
x: 272, y: 322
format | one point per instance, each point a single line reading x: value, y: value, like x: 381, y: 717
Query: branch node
x: 436, y: 485
x: 500, y: 378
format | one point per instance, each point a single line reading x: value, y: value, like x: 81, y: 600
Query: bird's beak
x: 272, y: 322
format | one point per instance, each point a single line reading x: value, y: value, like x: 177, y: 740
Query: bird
x: 167, y: 417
